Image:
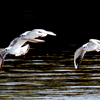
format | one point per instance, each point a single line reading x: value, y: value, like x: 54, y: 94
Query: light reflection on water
x: 50, y: 77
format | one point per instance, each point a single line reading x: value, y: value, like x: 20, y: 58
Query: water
x: 50, y: 77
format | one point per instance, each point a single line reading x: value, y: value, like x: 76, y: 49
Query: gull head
x: 89, y: 46
x: 7, y: 49
x: 24, y: 34
x: 85, y: 47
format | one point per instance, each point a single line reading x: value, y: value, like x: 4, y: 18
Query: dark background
x: 73, y: 22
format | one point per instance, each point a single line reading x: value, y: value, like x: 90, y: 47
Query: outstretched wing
x: 13, y: 42
x: 2, y: 56
x: 17, y: 42
x: 35, y: 40
x: 78, y: 56
x: 21, y: 41
x: 1, y: 62
x: 95, y: 41
x: 43, y: 32
x: 23, y: 50
x: 3, y: 53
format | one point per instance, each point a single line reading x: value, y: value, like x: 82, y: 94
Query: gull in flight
x: 92, y: 45
x: 36, y: 33
x: 17, y: 46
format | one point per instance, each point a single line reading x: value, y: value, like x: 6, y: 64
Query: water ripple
x: 50, y: 77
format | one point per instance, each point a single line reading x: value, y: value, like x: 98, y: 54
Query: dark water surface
x: 50, y: 77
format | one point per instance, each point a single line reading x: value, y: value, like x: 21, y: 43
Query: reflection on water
x: 50, y: 77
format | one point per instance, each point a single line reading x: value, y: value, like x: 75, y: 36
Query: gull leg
x: 20, y: 54
x: 23, y: 53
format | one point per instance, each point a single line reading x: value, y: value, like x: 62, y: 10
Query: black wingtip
x: 78, y: 56
x: 1, y: 62
x: 78, y: 61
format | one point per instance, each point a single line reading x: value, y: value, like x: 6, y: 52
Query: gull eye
x: 6, y: 49
x: 22, y: 35
x: 39, y: 32
x: 85, y: 47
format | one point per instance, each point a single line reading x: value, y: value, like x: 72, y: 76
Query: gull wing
x: 3, y: 53
x: 17, y: 42
x: 34, y: 40
x: 13, y: 42
x: 20, y: 41
x: 78, y: 56
x: 51, y: 33
x: 2, y: 56
x: 97, y: 42
x: 42, y: 31
x: 23, y: 50
x: 1, y: 62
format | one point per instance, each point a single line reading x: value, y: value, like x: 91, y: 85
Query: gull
x: 92, y: 45
x: 16, y: 48
x: 36, y: 33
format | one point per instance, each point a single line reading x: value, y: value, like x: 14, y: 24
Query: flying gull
x: 92, y: 45
x: 36, y: 33
x: 16, y: 48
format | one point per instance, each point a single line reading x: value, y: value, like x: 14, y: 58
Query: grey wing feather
x: 28, y: 48
x: 13, y: 41
x: 97, y: 42
x: 34, y: 40
x: 78, y: 56
x: 1, y: 62
x: 3, y: 53
x: 2, y: 57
